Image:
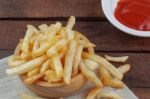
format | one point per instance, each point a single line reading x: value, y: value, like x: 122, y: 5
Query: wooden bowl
x: 48, y: 90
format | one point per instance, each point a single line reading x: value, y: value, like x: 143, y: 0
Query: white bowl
x: 108, y: 7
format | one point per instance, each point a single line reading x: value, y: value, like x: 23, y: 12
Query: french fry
x: 32, y: 40
x: 26, y: 40
x: 70, y: 33
x: 103, y: 62
x: 57, y: 65
x: 117, y: 59
x: 53, y: 29
x: 86, y: 44
x: 80, y: 36
x: 63, y: 51
x: 33, y: 78
x: 77, y: 59
x: 62, y: 32
x: 15, y: 60
x: 52, y: 76
x: 93, y: 93
x: 35, y: 31
x: 71, y: 22
x: 18, y: 48
x: 92, y: 65
x: 124, y: 68
x: 16, y: 63
x: 55, y: 48
x: 109, y: 96
x: 108, y: 80
x: 36, y: 44
x: 33, y: 72
x: 45, y: 65
x: 42, y: 50
x: 69, y: 61
x: 90, y: 75
x: 43, y: 28
x: 28, y: 66
x: 26, y: 56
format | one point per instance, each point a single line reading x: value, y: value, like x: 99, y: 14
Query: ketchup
x: 134, y: 14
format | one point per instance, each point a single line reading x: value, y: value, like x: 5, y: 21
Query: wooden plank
x: 103, y: 34
x: 142, y: 93
x: 49, y: 8
x: 137, y: 77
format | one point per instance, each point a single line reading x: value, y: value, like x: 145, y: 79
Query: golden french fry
x: 25, y: 44
x: 70, y: 33
x: 26, y: 56
x: 33, y: 78
x: 28, y: 66
x: 62, y: 32
x: 90, y: 75
x: 108, y: 80
x: 57, y: 65
x: 45, y: 66
x: 92, y: 65
x: 103, y: 62
x: 42, y: 50
x: 63, y: 51
x: 124, y: 68
x: 117, y: 59
x: 33, y: 72
x: 109, y: 96
x: 15, y: 60
x: 93, y: 93
x: 77, y: 59
x: 86, y: 44
x: 69, y: 61
x: 54, y: 28
x: 82, y: 37
x: 43, y: 28
x: 18, y: 48
x: 36, y: 44
x: 16, y: 63
x: 52, y: 76
x: 55, y: 48
x: 32, y: 40
x: 71, y: 22
x: 34, y: 29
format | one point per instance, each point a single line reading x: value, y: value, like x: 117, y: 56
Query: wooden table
x: 16, y: 14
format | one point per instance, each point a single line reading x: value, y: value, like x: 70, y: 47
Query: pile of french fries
x: 54, y: 54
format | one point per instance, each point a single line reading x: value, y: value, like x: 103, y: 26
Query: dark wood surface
x: 16, y: 14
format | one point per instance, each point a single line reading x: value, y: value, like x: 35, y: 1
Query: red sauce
x: 134, y: 14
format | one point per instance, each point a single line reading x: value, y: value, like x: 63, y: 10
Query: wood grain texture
x: 103, y: 34
x: 137, y: 77
x: 49, y: 8
x: 142, y: 93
